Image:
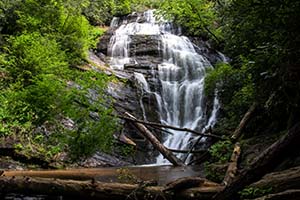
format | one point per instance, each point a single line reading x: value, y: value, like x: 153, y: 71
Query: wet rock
x: 103, y: 160
x: 145, y: 45
x: 103, y: 44
x: 203, y: 48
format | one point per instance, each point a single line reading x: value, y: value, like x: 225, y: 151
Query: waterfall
x: 181, y: 73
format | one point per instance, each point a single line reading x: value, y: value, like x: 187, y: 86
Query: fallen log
x: 264, y: 163
x: 184, y: 183
x: 75, y: 189
x: 236, y: 134
x: 98, y: 190
x: 288, y: 194
x: 280, y: 181
x: 170, y: 127
x: 156, y: 143
x: 232, y: 167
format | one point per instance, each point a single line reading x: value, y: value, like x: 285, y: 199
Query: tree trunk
x: 184, y: 183
x: 264, y: 163
x: 156, y: 143
x: 97, y: 190
x: 236, y: 134
x: 232, y: 167
x: 288, y: 194
x: 280, y: 181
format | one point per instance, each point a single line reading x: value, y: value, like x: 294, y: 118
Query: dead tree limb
x: 170, y: 127
x: 232, y: 167
x: 156, y: 143
x: 264, y: 163
x: 236, y: 134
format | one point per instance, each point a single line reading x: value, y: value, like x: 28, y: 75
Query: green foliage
x: 252, y: 192
x: 126, y: 150
x: 220, y: 154
x: 32, y: 55
x: 42, y: 39
x: 61, y: 21
x: 100, y: 12
x: 125, y: 176
x: 196, y: 16
x: 235, y: 89
x: 265, y: 34
x: 213, y: 173
x: 221, y: 151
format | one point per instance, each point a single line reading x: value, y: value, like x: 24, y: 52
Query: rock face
x: 146, y: 48
x: 141, y: 54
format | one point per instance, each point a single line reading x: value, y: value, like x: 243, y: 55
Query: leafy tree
x: 264, y: 36
x: 41, y: 41
x: 196, y: 16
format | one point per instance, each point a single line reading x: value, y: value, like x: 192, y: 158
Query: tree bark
x: 280, y: 181
x: 156, y: 143
x: 237, y: 133
x: 184, y: 183
x: 232, y: 167
x: 98, y: 190
x: 288, y: 194
x: 264, y: 163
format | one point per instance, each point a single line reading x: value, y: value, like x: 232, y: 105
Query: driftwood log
x: 232, y: 167
x: 98, y: 190
x: 264, y: 163
x: 156, y: 143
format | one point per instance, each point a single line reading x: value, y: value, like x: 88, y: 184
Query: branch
x: 187, y: 151
x: 171, y: 127
x: 232, y: 167
x: 156, y: 143
x: 237, y: 133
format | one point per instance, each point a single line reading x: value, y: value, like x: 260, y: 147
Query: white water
x: 181, y: 74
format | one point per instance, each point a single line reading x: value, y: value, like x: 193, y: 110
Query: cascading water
x: 181, y: 74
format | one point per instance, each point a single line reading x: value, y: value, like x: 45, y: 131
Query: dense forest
x: 53, y: 102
